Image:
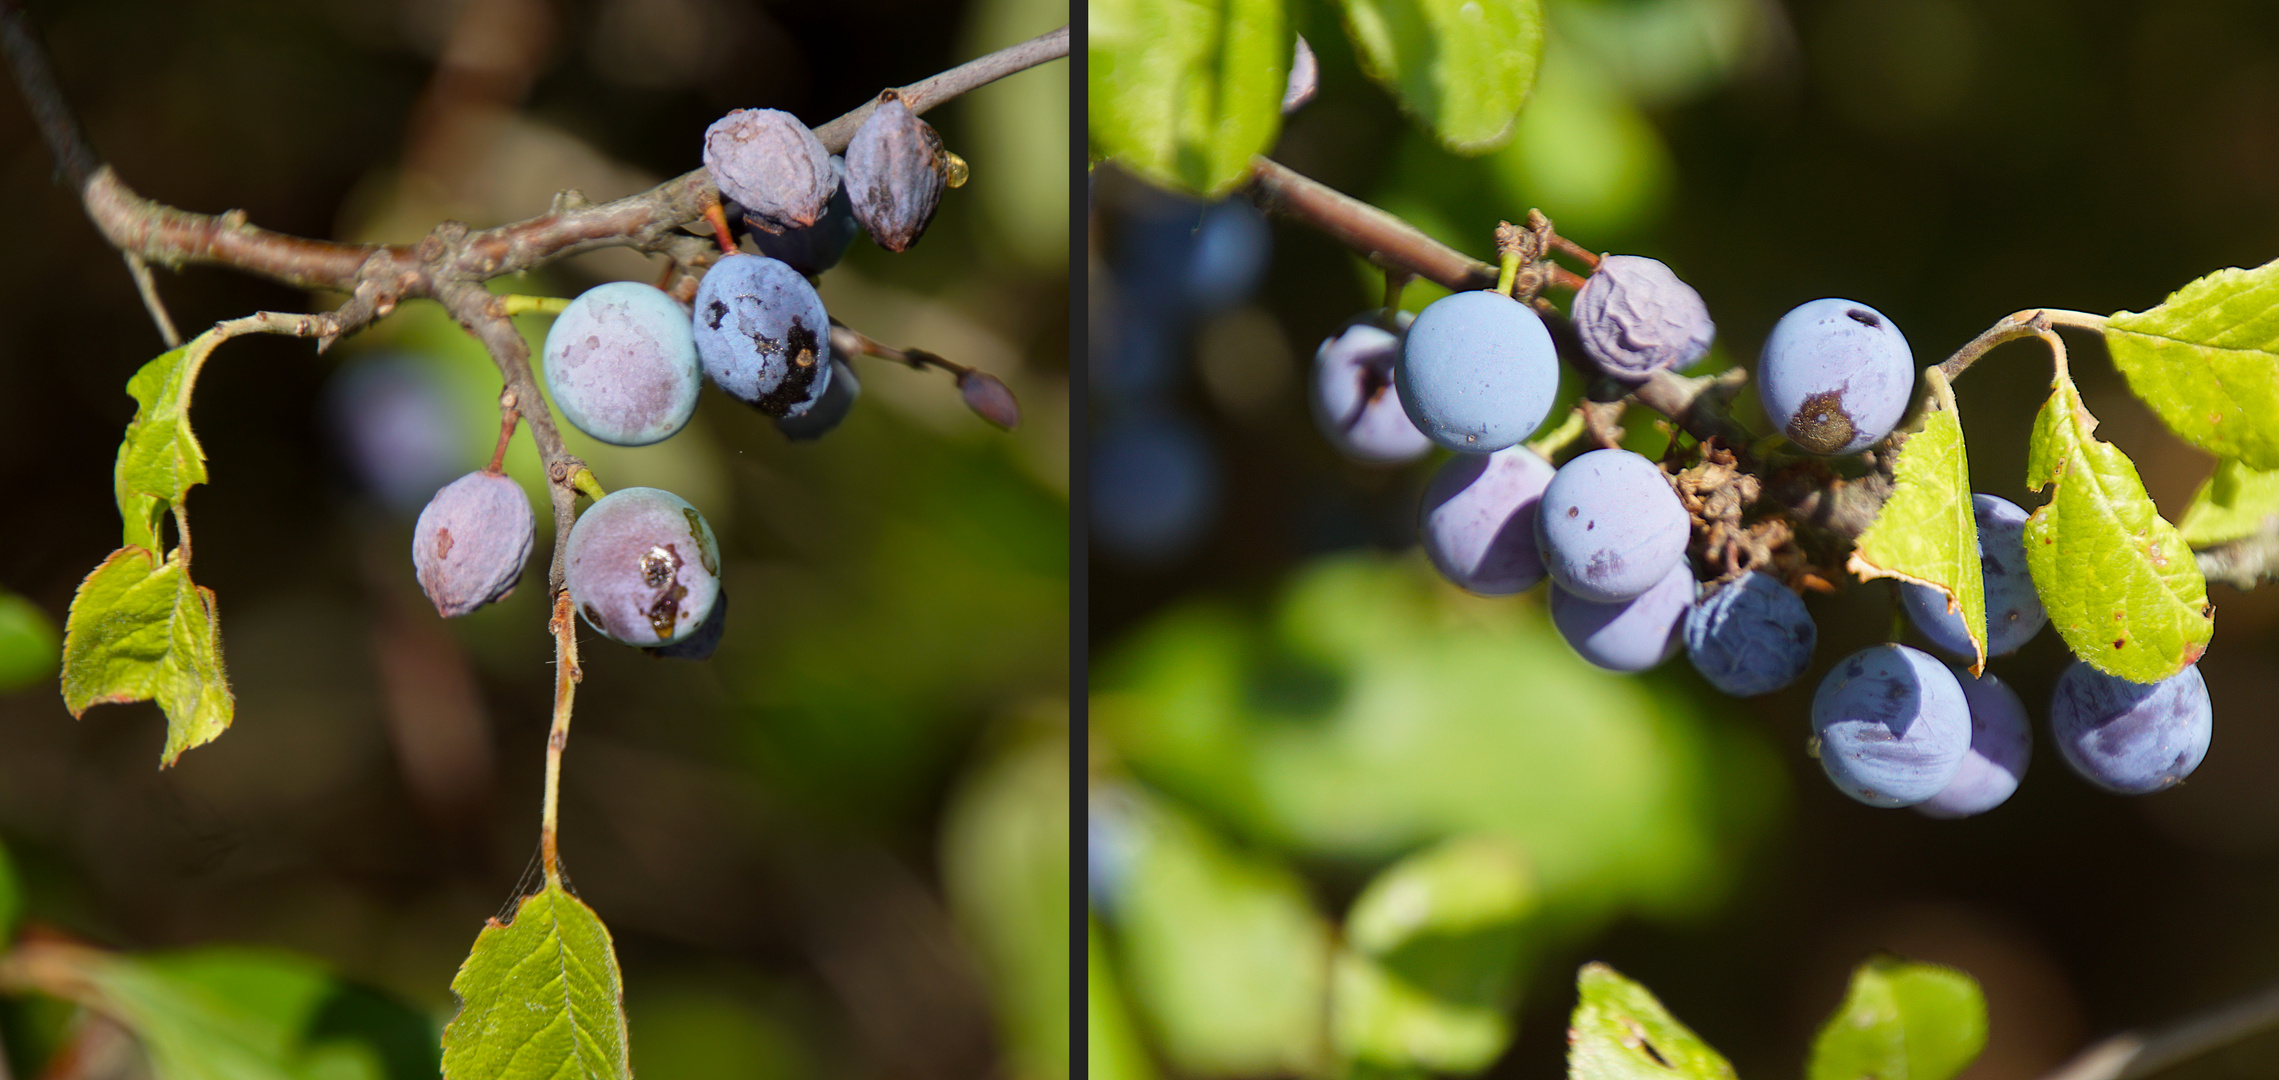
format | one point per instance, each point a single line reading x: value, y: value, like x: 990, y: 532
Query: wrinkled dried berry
x: 897, y: 168
x: 642, y: 567
x: 771, y: 163
x: 1635, y: 317
x: 471, y: 541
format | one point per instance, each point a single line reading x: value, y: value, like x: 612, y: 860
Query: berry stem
x: 508, y: 415
x: 518, y: 304
x: 567, y: 675
x: 1560, y: 437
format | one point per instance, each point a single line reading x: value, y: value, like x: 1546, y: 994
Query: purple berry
x: 470, y: 542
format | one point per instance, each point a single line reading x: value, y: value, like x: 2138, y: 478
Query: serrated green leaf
x: 29, y: 646
x: 141, y: 630
x: 1926, y: 533
x: 540, y: 998
x: 231, y: 1013
x: 1901, y: 1021
x: 159, y: 458
x: 2118, y: 582
x: 1463, y: 67
x: 2235, y: 502
x: 1433, y: 951
x: 1186, y: 92
x: 2207, y: 361
x: 1620, y: 1032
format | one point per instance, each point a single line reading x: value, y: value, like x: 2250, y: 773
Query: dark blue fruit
x: 762, y: 335
x: 1892, y: 726
x: 2126, y: 737
x: 2013, y: 609
x: 1627, y: 635
x: 2000, y: 743
x: 1835, y: 376
x: 1751, y: 637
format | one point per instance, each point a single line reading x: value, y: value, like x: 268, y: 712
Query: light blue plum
x: 621, y: 364
x: 1355, y: 404
x: 1892, y: 725
x: 1627, y: 635
x: 1835, y: 375
x: 2001, y: 741
x: 1478, y: 372
x: 1751, y: 637
x: 2126, y: 737
x: 2013, y: 609
x: 763, y: 335
x: 1478, y: 523
x: 1610, y: 526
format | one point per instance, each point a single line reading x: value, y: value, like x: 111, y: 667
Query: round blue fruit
x: 1892, y: 725
x: 1627, y: 635
x: 621, y: 364
x: 2126, y: 737
x: 1478, y: 523
x: 1610, y: 526
x: 1835, y: 375
x: 1478, y: 372
x: 1355, y: 404
x: 642, y: 567
x: 2013, y: 609
x: 2000, y: 743
x: 1751, y: 637
x: 762, y: 335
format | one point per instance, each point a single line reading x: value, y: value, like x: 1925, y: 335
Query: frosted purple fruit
x: 1478, y: 523
x: 812, y: 249
x: 1892, y: 725
x: 2001, y: 741
x: 470, y: 542
x: 2127, y: 737
x: 642, y: 567
x: 897, y: 170
x: 1835, y: 375
x: 620, y: 363
x: 1627, y: 635
x: 771, y: 163
x: 1355, y: 403
x: 1635, y: 318
x: 1610, y: 526
x: 706, y: 640
x: 762, y: 335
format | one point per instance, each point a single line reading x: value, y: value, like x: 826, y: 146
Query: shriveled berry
x: 762, y: 335
x: 470, y: 542
x: 771, y: 163
x: 1635, y: 317
x: 642, y: 567
x: 897, y: 168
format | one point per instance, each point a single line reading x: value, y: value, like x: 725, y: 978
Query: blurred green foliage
x: 30, y: 648
x: 1901, y: 1021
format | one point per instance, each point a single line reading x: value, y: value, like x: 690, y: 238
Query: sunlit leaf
x: 159, y: 458
x: 1901, y: 1021
x: 2235, y: 502
x: 1112, y: 1049
x: 141, y: 630
x: 1186, y: 92
x: 1005, y: 870
x: 2207, y: 361
x: 540, y: 998
x: 2119, y: 583
x: 1926, y: 533
x: 1621, y: 1032
x: 1463, y: 67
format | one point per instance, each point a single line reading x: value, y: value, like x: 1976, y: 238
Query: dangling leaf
x: 1620, y: 1032
x: 1463, y: 67
x: 540, y: 998
x: 1901, y: 1021
x: 1925, y: 533
x: 1186, y: 92
x: 141, y: 630
x: 2234, y: 503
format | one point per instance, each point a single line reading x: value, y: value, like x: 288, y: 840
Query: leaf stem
x: 2027, y: 323
x: 567, y: 675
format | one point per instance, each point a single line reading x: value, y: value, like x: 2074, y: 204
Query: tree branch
x: 2134, y: 1054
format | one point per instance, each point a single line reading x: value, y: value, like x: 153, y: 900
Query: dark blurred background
x: 1283, y: 690
x: 839, y: 847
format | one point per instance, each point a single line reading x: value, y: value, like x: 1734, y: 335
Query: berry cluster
x: 1477, y: 373
x: 623, y: 363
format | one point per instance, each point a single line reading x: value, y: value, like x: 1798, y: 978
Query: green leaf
x: 28, y: 643
x: 2119, y: 583
x: 2235, y: 502
x: 1113, y: 1049
x: 1463, y: 67
x: 1926, y: 533
x: 1226, y: 956
x: 1620, y: 1032
x: 160, y: 459
x: 1901, y: 1021
x: 141, y: 630
x: 539, y: 997
x: 2207, y: 361
x: 1186, y: 92
x: 1433, y: 953
x: 234, y: 1014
